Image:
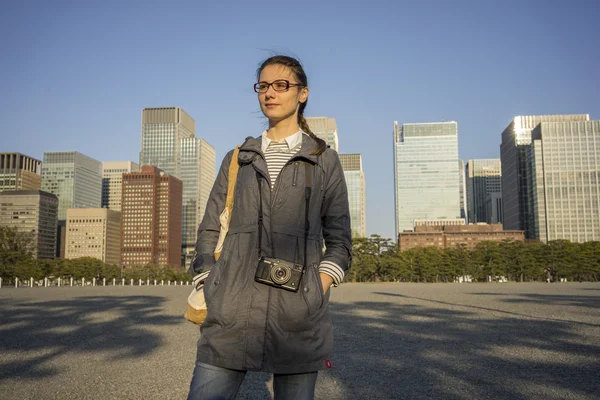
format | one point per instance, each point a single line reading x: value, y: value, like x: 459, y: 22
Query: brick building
x: 447, y: 236
x: 151, y: 217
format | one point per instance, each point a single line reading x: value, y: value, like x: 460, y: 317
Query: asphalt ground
x: 392, y: 341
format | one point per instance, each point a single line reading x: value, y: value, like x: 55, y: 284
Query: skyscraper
x: 484, y: 177
x: 93, y: 232
x: 426, y: 176
x: 565, y: 180
x: 19, y: 172
x: 112, y: 180
x: 169, y: 143
x: 326, y: 129
x: 151, y: 215
x: 462, y: 189
x: 32, y: 211
x: 355, y: 181
x: 514, y: 151
x: 74, y: 178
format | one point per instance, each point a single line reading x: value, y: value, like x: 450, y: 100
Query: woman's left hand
x: 326, y: 282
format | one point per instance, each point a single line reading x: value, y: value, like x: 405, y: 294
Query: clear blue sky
x: 75, y: 75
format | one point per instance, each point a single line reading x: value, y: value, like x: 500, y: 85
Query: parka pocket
x: 313, y: 289
x: 213, y: 281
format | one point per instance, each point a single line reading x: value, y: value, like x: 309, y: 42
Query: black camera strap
x: 307, y: 195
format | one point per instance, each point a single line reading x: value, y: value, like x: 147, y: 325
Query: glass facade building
x: 74, y: 178
x: 565, y: 181
x: 426, y: 172
x: 462, y: 189
x: 169, y: 143
x: 326, y: 129
x: 484, y: 177
x: 355, y: 182
x: 514, y: 154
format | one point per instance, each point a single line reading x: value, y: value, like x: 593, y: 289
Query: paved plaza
x: 392, y: 341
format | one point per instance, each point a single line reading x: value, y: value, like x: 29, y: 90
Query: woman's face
x: 280, y: 105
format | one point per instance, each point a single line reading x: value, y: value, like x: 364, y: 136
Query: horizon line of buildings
x: 545, y: 186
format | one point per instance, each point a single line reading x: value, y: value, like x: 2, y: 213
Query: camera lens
x: 280, y: 274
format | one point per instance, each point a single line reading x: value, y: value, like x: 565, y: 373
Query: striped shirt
x: 278, y: 153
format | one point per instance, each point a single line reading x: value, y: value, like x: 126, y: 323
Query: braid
x: 304, y: 126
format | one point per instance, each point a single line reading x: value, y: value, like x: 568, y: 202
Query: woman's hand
x: 326, y: 282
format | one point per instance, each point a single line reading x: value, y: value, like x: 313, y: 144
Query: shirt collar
x: 292, y: 140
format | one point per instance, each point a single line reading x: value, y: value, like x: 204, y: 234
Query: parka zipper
x: 296, y: 163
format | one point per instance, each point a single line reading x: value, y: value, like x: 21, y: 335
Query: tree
x: 15, y: 248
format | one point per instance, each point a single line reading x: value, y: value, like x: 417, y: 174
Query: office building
x: 95, y: 233
x: 449, y: 236
x: 326, y: 129
x: 462, y: 189
x: 19, y: 172
x: 565, y: 180
x: 355, y: 182
x: 74, y: 178
x: 112, y: 181
x: 426, y: 172
x: 151, y: 218
x: 197, y: 172
x: 169, y: 143
x: 493, y: 208
x: 32, y: 211
x: 484, y: 177
x: 514, y: 150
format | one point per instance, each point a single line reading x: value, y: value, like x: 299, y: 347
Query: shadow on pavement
x: 549, y: 299
x: 393, y: 351
x: 42, y: 331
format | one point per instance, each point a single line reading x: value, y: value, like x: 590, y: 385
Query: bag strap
x: 234, y: 166
x: 307, y: 192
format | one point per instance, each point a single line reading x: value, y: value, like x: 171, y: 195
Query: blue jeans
x: 216, y: 383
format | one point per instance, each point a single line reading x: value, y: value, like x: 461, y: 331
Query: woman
x: 256, y: 320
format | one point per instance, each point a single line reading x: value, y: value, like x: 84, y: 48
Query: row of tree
x: 376, y: 259
x: 16, y: 261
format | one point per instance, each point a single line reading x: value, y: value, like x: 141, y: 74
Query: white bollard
x: 132, y: 282
x: 180, y: 283
x: 123, y: 282
x: 169, y: 284
x: 114, y: 281
x: 155, y: 282
x: 94, y: 281
x: 147, y: 282
x: 45, y: 282
x: 162, y: 283
x: 0, y: 283
x: 59, y: 282
x: 82, y: 282
x: 103, y: 281
x: 71, y: 281
x: 16, y: 282
x: 140, y: 282
x: 30, y: 282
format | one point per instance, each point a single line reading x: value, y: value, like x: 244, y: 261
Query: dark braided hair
x: 298, y: 71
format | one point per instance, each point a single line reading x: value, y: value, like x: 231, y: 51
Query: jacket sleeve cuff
x: 332, y: 269
x: 200, y: 279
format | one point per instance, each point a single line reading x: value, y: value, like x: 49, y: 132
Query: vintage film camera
x: 279, y: 273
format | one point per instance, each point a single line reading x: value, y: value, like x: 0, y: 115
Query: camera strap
x: 307, y: 195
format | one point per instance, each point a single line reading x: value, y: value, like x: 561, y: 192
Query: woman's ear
x: 303, y: 95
